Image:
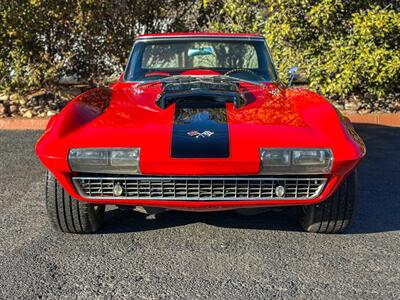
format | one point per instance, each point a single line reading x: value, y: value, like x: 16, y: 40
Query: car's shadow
x: 131, y: 221
x: 378, y: 194
x: 378, y: 181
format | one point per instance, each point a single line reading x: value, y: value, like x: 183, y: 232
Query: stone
x: 53, y: 105
x: 51, y: 113
x: 13, y: 108
x: 3, y: 97
x: 69, y: 94
x: 339, y: 106
x: 368, y: 96
x: 68, y: 80
x: 364, y: 111
x: 3, y: 109
x: 351, y: 106
x: 15, y: 97
x: 33, y: 102
x: 28, y: 114
x: 36, y: 94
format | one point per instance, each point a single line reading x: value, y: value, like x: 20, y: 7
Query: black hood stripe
x: 200, y: 132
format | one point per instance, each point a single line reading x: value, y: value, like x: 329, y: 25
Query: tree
x: 343, y: 46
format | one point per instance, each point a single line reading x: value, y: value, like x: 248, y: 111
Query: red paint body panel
x: 125, y: 115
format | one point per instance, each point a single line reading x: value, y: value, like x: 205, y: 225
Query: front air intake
x: 199, y: 188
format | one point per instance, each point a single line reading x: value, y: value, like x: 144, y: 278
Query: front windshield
x: 154, y: 60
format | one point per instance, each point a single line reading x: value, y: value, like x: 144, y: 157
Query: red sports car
x: 200, y: 122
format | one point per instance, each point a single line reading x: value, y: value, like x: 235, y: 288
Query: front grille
x: 199, y: 188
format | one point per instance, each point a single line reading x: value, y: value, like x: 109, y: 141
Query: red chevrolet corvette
x: 200, y: 122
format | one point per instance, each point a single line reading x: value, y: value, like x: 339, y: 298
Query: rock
x: 3, y: 109
x: 43, y: 101
x: 36, y: 94
x: 364, y: 111
x: 13, y: 108
x: 368, y: 96
x: 69, y: 94
x: 68, y: 80
x: 3, y: 97
x: 339, y: 106
x: 33, y: 102
x: 15, y: 98
x: 53, y: 105
x: 51, y: 113
x: 28, y: 114
x: 351, y: 106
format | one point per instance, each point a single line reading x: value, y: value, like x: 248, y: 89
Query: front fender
x: 80, y: 111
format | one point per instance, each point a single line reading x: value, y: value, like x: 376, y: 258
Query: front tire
x: 334, y: 214
x: 69, y: 215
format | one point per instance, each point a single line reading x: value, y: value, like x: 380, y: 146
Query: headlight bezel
x: 293, y: 168
x: 104, y: 163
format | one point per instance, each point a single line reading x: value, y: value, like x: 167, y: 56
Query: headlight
x: 115, y: 161
x: 295, y: 161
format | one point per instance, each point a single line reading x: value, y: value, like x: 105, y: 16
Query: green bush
x: 343, y: 47
x: 43, y: 40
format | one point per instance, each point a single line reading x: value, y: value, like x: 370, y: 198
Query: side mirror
x: 292, y: 75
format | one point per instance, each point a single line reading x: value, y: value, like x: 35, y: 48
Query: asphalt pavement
x: 182, y: 255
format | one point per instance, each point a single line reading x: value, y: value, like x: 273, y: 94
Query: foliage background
x: 348, y: 49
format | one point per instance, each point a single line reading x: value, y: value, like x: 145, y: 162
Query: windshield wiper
x: 187, y: 79
x: 237, y: 80
x: 169, y: 79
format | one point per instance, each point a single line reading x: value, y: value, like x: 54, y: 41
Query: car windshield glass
x: 153, y: 60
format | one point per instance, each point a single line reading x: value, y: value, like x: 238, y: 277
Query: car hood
x: 127, y: 115
x: 289, y: 116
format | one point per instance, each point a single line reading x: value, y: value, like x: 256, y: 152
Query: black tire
x: 334, y: 214
x: 67, y: 214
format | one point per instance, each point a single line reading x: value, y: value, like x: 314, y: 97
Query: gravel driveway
x: 182, y: 255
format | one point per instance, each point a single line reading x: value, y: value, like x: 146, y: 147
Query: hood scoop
x: 200, y: 91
